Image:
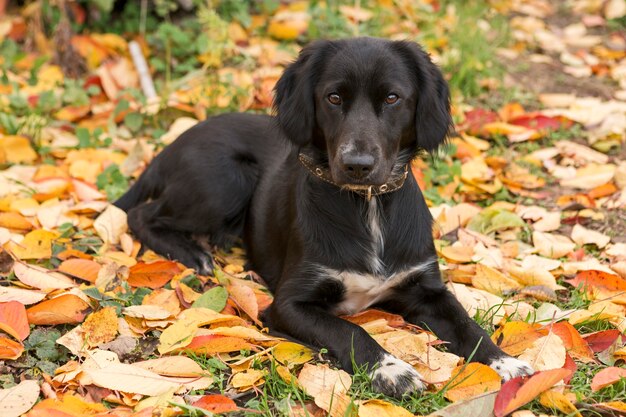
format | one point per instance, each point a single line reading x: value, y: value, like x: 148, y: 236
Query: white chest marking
x: 376, y: 231
x: 365, y: 290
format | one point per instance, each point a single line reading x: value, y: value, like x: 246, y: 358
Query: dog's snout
x: 358, y: 166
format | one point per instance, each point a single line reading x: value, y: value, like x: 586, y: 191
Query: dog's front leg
x: 350, y: 344
x: 426, y: 302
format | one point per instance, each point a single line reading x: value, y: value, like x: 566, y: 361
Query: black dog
x: 329, y: 216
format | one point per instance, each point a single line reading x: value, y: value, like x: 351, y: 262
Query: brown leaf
x: 100, y: 327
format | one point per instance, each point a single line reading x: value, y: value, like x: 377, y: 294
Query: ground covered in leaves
x: 528, y: 198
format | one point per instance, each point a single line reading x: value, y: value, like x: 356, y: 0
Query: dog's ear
x: 433, y: 121
x: 294, y: 101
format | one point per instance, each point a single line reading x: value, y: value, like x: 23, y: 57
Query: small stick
x: 142, y: 69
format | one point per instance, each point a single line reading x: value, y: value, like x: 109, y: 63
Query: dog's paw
x: 508, y: 367
x: 396, y: 378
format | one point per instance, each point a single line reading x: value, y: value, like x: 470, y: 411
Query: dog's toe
x: 396, y: 378
x: 508, y: 367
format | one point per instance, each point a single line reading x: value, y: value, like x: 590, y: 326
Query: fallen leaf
x: 553, y: 399
x: 521, y: 390
x: 583, y: 236
x: 607, y: 376
x: 36, y: 245
x: 10, y: 349
x: 100, y: 327
x: 328, y: 387
x: 215, y: 403
x: 471, y: 380
x: 41, y: 278
x: 547, y: 352
x: 492, y: 280
x: 480, y: 406
x: 247, y: 379
x: 130, y: 379
x: 64, y: 309
x: 214, y: 299
x: 17, y: 149
x: 111, y: 224
x: 515, y: 337
x: 84, y: 269
x: 246, y: 300
x: 22, y: 296
x: 290, y: 354
x: 381, y: 408
x: 598, y: 279
x: 152, y: 275
x: 602, y: 340
x: 19, y: 399
x: 576, y: 346
x: 180, y: 366
x: 13, y: 320
x: 552, y: 245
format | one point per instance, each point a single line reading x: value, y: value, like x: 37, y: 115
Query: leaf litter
x: 528, y: 203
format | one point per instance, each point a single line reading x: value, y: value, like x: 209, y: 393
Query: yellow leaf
x: 590, y: 176
x: 100, y: 327
x: 381, y: 408
x: 553, y: 399
x: 48, y: 77
x: 246, y: 379
x: 583, y: 236
x: 16, y: 150
x: 289, y: 353
x: 472, y: 380
x: 457, y: 253
x: 533, y: 276
x: 287, y: 25
x: 36, y: 245
x: 492, y: 280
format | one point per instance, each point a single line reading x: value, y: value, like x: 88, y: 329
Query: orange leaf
x: 81, y: 268
x: 607, y: 376
x: 517, y: 336
x: 216, y: 403
x: 13, y: 320
x: 599, y: 279
x: 10, y: 349
x: 521, y: 390
x: 472, y: 380
x: 100, y: 327
x: 15, y: 221
x: 576, y: 346
x: 211, y: 344
x: 393, y: 320
x: 65, y: 309
x: 72, y: 113
x: 246, y: 300
x: 153, y: 275
x: 602, y: 190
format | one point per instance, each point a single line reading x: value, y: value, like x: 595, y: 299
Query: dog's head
x: 370, y: 104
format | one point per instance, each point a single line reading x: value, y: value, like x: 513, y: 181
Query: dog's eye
x: 391, y: 98
x: 334, y: 99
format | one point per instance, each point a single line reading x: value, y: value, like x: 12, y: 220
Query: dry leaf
x: 471, y: 380
x: 41, y: 278
x: 111, y: 224
x: 583, y: 236
x: 328, y: 387
x: 130, y: 379
x: 547, y: 352
x: 19, y: 399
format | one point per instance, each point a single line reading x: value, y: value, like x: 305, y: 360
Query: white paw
x: 396, y: 378
x: 508, y: 367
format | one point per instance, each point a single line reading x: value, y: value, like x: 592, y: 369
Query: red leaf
x: 476, y: 119
x: 600, y: 341
x: 216, y: 404
x: 598, y: 279
x: 607, y: 376
x: 541, y: 122
x: 153, y: 275
x: 13, y: 320
x: 571, y: 365
x: 521, y: 390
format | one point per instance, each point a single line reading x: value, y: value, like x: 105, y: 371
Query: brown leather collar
x: 366, y: 191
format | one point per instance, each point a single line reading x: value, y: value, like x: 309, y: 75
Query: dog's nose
x: 358, y: 166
